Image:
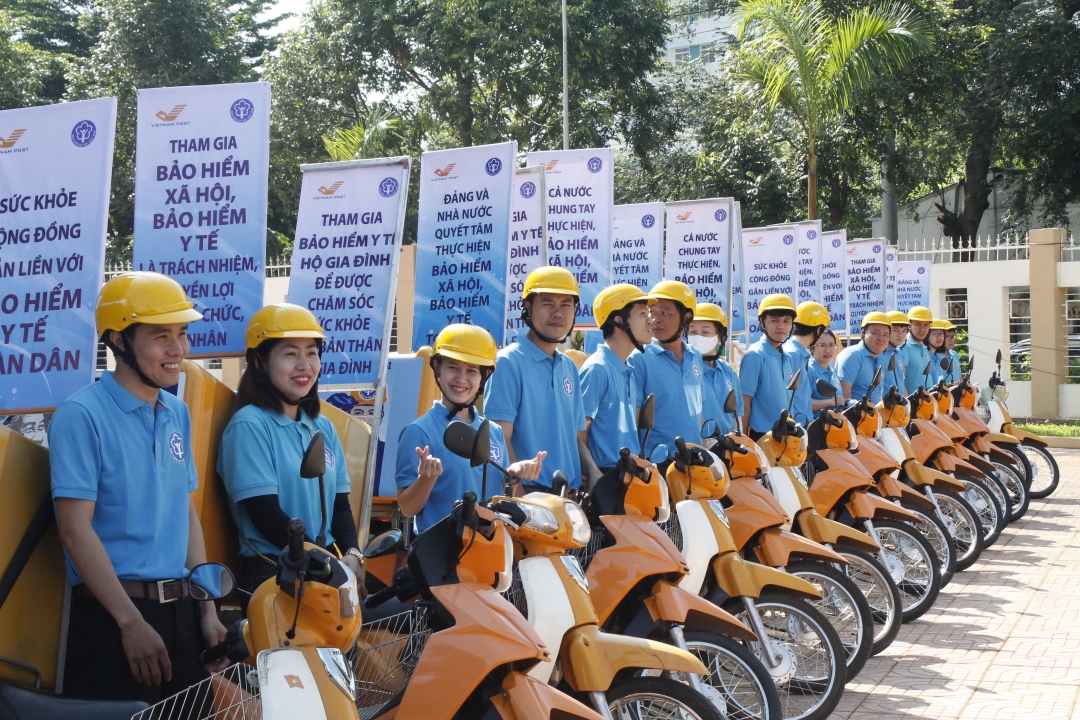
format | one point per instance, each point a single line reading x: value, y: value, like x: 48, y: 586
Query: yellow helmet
x: 548, y: 279
x: 948, y: 325
x: 920, y: 314
x: 813, y: 314
x: 614, y: 298
x: 675, y: 291
x: 143, y: 297
x: 281, y: 320
x: 876, y: 318
x: 778, y: 302
x: 711, y: 312
x: 939, y: 324
x: 897, y: 318
x: 467, y: 343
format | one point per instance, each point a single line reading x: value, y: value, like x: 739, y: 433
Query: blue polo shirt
x: 260, y: 454
x: 540, y: 395
x: 679, y: 390
x: 856, y: 365
x: 764, y: 375
x: 814, y: 373
x: 457, y: 476
x: 133, y: 460
x: 915, y: 356
x: 610, y: 398
x: 898, y: 376
x: 954, y: 375
x: 802, y: 409
x: 936, y: 371
x: 719, y: 382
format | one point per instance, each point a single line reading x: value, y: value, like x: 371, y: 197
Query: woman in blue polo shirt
x: 823, y: 352
x: 264, y: 443
x: 429, y: 477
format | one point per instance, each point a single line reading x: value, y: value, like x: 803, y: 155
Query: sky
x: 296, y: 7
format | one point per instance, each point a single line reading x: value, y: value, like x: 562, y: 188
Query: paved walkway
x: 1003, y: 639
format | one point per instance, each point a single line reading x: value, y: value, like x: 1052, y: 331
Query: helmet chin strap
x: 625, y: 327
x: 127, y: 356
x: 683, y: 325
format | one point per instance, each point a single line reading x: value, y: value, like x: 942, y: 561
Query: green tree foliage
x: 796, y: 56
x: 25, y: 71
x: 61, y: 29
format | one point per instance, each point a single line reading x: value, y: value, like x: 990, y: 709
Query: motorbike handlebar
x: 381, y: 597
x: 296, y: 557
x: 468, y: 508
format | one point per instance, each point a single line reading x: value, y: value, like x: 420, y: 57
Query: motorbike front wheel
x: 737, y: 682
x: 1019, y: 499
x: 991, y: 515
x: 657, y: 698
x: 912, y: 564
x: 963, y: 524
x: 807, y: 665
x: 931, y: 528
x: 1045, y: 475
x: 881, y: 593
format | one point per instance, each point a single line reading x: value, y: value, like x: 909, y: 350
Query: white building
x: 698, y: 36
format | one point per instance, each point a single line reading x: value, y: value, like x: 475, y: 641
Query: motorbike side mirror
x: 731, y: 403
x: 945, y: 364
x: 926, y: 370
x: 971, y: 364
x: 210, y: 581
x: 659, y: 454
x: 383, y: 544
x: 314, y: 463
x: 825, y: 388
x: 796, y: 378
x: 710, y: 429
x: 876, y: 381
x: 892, y: 362
x: 998, y: 359
x: 473, y: 445
x: 648, y: 412
x: 559, y: 483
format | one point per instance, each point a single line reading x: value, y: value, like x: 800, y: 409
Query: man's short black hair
x: 801, y: 330
x: 608, y: 328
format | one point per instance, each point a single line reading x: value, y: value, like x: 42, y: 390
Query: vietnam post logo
x: 11, y: 139
x: 332, y: 190
x: 648, y: 221
x: 83, y: 133
x: 851, y: 250
x: 595, y: 164
x: 720, y: 215
x: 527, y: 189
x: 388, y: 187
x: 836, y: 242
x: 176, y: 447
x: 242, y: 110
x: 685, y: 216
x: 551, y: 165
x: 171, y: 115
x: 443, y: 172
x: 755, y: 241
x: 788, y: 239
x: 493, y: 166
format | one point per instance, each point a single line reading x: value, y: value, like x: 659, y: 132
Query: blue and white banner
x: 202, y: 159
x: 637, y: 245
x: 699, y: 247
x: 345, y: 261
x: 770, y: 266
x: 55, y: 175
x: 834, y: 278
x: 912, y: 284
x: 809, y: 261
x: 580, y: 192
x: 528, y: 243
x: 892, y: 257
x: 462, y: 235
x: 865, y: 280
x: 735, y: 309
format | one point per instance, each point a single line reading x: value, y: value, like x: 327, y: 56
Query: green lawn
x: 1052, y: 429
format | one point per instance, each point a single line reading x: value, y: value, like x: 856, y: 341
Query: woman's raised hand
x: 430, y: 466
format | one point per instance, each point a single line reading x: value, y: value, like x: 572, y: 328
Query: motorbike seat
x: 19, y: 704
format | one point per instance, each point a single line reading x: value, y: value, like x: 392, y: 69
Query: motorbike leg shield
x: 523, y: 698
x: 896, y: 490
x: 922, y: 475
x: 672, y: 604
x: 739, y: 578
x: 591, y: 658
x: 1024, y: 435
x: 823, y: 530
x: 776, y: 547
x: 865, y: 506
x: 1003, y: 439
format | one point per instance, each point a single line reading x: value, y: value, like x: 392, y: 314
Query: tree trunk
x: 811, y: 183
x: 963, y: 226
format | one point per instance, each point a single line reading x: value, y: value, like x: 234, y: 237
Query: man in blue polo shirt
x: 670, y: 368
x: 914, y: 352
x: 858, y: 363
x: 766, y: 369
x: 608, y: 391
x: 811, y: 319
x: 534, y: 393
x: 122, y: 474
x: 897, y: 337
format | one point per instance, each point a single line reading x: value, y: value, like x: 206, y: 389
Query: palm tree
x: 794, y: 55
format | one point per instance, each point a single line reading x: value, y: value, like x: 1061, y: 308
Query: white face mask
x: 707, y: 345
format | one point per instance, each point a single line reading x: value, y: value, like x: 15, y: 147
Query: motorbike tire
x: 985, y: 503
x: 809, y: 645
x: 881, y: 594
x: 1045, y: 474
x: 658, y: 697
x: 964, y: 526
x: 997, y: 486
x: 845, y: 607
x: 931, y: 528
x: 1019, y: 462
x: 920, y: 581
x: 745, y: 686
x: 1019, y: 498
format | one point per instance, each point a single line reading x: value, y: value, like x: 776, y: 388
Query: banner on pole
x: 699, y: 247
x: 865, y: 280
x: 637, y: 244
x: 528, y: 243
x: 912, y: 284
x: 770, y: 266
x: 55, y: 175
x: 892, y: 257
x: 202, y: 159
x: 462, y: 237
x: 834, y: 278
x: 580, y: 192
x: 347, y: 274
x: 809, y: 261
x: 735, y: 309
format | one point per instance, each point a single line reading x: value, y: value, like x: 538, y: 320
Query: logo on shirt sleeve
x: 176, y: 447
x: 496, y: 453
x: 568, y: 386
x: 331, y: 461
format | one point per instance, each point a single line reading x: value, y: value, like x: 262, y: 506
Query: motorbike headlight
x: 579, y: 524
x: 539, y: 519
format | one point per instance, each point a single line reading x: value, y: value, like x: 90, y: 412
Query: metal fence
x: 982, y: 248
x: 275, y: 267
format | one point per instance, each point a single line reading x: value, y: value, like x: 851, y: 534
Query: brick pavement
x: 1003, y: 639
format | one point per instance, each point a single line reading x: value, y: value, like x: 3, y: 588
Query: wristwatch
x: 356, y: 554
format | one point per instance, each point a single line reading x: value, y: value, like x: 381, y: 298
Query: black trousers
x: 97, y: 668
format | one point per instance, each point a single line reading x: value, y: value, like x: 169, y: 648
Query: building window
x: 102, y: 357
x: 956, y: 313
x: 1072, y: 330
x: 682, y: 54
x: 213, y: 364
x: 708, y: 53
x: 1020, y: 333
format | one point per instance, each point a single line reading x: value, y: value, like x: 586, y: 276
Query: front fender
x: 523, y: 698
x: 922, y: 475
x: 591, y: 658
x: 739, y: 578
x: 824, y: 530
x: 1024, y: 435
x: 776, y: 547
x: 672, y: 604
x: 864, y: 506
x: 1002, y: 439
